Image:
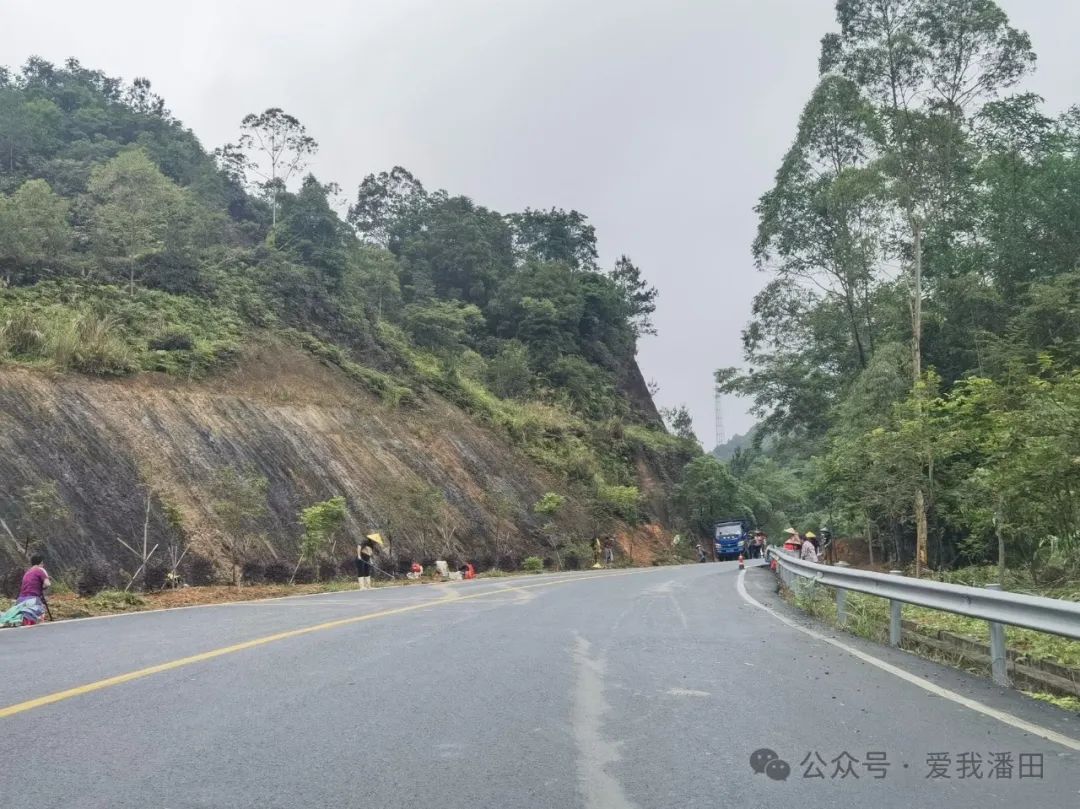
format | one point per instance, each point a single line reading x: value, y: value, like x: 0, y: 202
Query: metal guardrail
x: 990, y: 604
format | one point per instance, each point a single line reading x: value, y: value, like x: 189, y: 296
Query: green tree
x: 541, y: 329
x: 777, y: 493
x: 680, y: 422
x: 1026, y: 175
x: 131, y: 208
x: 820, y: 225
x: 384, y: 204
x: 638, y: 298
x: 555, y: 235
x: 588, y: 389
x: 27, y: 126
x: 375, y: 272
x: 141, y: 98
x: 1019, y: 470
x: 548, y: 506
x: 708, y: 492
x: 322, y: 523
x: 508, y: 374
x: 412, y: 511
x: 454, y: 249
x: 311, y: 231
x: 273, y: 148
x: 240, y: 505
x: 927, y: 65
x: 442, y: 327
x: 34, y: 230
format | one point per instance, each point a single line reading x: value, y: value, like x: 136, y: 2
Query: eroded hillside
x: 310, y: 432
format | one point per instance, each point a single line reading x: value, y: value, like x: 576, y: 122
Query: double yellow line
x: 120, y: 679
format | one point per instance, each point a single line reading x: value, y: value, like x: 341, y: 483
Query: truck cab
x: 731, y: 537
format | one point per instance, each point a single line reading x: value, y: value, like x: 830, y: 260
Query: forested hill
x: 931, y: 206
x: 129, y: 252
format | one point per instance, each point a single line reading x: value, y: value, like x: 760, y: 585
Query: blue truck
x: 732, y: 537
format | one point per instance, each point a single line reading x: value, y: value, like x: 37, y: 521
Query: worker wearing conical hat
x: 365, y: 552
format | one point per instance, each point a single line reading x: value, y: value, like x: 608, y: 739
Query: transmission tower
x: 721, y: 436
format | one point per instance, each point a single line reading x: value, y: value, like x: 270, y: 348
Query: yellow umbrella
x: 811, y: 535
x: 376, y: 538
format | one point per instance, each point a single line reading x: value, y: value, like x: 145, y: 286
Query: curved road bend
x: 599, y: 690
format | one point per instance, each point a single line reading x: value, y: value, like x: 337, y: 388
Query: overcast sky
x: 662, y: 120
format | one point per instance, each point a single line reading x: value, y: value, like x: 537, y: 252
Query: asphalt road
x: 643, y: 689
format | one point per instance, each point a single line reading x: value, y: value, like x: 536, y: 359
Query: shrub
x: 116, y: 600
x: 532, y: 564
x: 22, y: 334
x: 100, y: 328
x: 200, y: 570
x: 252, y: 572
x: 471, y: 365
x: 277, y: 572
x: 620, y: 501
x: 549, y: 504
x: 89, y: 343
x: 93, y: 578
x: 321, y: 523
x: 588, y: 388
x: 375, y: 381
x: 508, y: 374
x: 171, y: 341
x: 305, y: 574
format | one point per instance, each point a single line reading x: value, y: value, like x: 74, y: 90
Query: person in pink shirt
x: 36, y: 580
x: 30, y: 605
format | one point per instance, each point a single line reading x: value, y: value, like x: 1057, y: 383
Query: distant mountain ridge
x: 738, y: 441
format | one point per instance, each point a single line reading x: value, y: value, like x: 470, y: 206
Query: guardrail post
x: 841, y: 600
x: 896, y: 616
x: 999, y: 663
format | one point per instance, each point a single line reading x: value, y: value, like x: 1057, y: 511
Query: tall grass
x: 91, y: 344
x: 22, y: 334
x: 102, y: 329
x: 69, y: 340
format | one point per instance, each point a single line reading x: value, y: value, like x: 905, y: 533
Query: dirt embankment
x: 310, y: 432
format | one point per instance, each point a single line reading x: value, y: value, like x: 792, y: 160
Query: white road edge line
x: 974, y: 705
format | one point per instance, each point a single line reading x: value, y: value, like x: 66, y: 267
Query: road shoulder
x: 761, y: 585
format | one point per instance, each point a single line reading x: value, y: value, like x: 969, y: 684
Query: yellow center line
x: 108, y: 682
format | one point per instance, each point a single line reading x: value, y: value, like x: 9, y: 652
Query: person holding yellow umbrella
x: 365, y: 552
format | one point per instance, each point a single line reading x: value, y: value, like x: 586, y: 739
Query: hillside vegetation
x: 914, y: 358
x: 154, y: 270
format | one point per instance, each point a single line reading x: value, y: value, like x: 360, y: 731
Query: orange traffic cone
x: 742, y: 566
